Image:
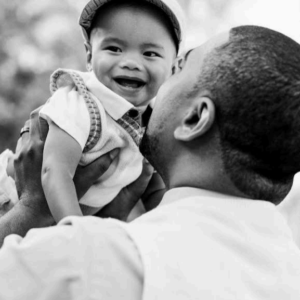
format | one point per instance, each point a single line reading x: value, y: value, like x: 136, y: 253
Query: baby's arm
x: 61, y: 157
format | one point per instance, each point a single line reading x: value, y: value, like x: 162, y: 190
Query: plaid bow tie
x: 131, y: 122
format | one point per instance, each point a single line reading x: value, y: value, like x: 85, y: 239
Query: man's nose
x: 131, y: 62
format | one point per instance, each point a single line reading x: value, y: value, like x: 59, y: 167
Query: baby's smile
x: 126, y: 56
x: 130, y: 83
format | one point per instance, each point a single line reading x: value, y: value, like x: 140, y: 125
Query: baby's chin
x: 139, y: 104
x: 136, y: 96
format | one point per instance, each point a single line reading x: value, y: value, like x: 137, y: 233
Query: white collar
x: 114, y: 105
x: 213, y: 198
x: 257, y: 212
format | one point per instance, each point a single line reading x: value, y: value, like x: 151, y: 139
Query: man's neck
x: 206, y: 174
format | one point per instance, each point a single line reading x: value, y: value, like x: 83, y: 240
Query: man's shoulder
x: 91, y: 224
x: 74, y: 257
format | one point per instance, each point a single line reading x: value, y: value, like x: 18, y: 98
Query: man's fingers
x: 34, y: 123
x: 122, y: 205
x: 25, y: 135
x: 43, y: 129
x: 154, y: 192
x: 102, y: 164
x: 86, y: 176
x: 137, y: 188
x: 27, y: 124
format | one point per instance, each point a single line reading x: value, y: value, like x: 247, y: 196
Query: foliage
x: 36, y: 38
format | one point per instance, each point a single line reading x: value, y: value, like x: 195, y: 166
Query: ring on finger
x: 23, y: 130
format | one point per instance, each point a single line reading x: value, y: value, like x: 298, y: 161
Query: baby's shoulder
x: 67, y: 78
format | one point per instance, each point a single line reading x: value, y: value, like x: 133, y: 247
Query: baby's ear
x: 88, y: 50
x: 176, y: 65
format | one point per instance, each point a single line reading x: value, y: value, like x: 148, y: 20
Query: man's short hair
x: 255, y: 84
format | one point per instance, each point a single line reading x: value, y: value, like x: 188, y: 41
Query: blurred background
x: 36, y: 37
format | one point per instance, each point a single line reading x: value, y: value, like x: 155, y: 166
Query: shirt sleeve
x: 81, y: 258
x: 67, y: 109
x: 8, y: 191
x: 290, y: 209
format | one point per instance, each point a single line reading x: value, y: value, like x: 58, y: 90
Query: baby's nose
x: 131, y: 62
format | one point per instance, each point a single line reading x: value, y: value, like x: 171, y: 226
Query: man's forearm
x: 20, y: 219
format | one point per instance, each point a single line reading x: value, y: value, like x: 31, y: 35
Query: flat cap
x: 170, y: 8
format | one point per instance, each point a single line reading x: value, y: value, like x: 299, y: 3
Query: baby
x: 131, y: 46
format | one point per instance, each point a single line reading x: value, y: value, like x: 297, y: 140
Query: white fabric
x: 88, y: 259
x: 68, y: 110
x: 196, y: 245
x: 203, y: 245
x: 290, y: 208
x: 115, y: 105
x: 8, y: 191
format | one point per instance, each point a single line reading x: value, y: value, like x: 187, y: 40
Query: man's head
x: 237, y: 98
x: 131, y: 47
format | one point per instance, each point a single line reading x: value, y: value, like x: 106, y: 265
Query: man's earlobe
x: 88, y: 50
x: 197, y: 121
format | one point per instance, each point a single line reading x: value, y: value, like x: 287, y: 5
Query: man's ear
x: 88, y: 50
x: 198, y: 120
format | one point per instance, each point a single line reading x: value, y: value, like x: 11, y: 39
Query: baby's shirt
x: 8, y: 191
x: 99, y: 120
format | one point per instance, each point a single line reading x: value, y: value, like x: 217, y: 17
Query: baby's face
x: 132, y: 53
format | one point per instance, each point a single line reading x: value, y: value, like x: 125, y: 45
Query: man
x: 224, y: 135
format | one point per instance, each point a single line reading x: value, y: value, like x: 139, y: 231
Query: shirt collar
x: 213, y: 198
x: 187, y: 192
x: 114, y: 105
x: 263, y: 215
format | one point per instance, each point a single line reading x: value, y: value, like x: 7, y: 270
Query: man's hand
x: 87, y: 175
x: 122, y: 205
x: 154, y: 192
x: 28, y: 165
x: 32, y: 210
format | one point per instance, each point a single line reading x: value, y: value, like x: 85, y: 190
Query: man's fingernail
x: 146, y: 161
x: 114, y: 153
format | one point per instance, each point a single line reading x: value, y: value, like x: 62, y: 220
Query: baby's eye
x: 152, y: 54
x: 113, y: 49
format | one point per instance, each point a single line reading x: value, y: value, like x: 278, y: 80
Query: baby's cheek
x: 164, y: 75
